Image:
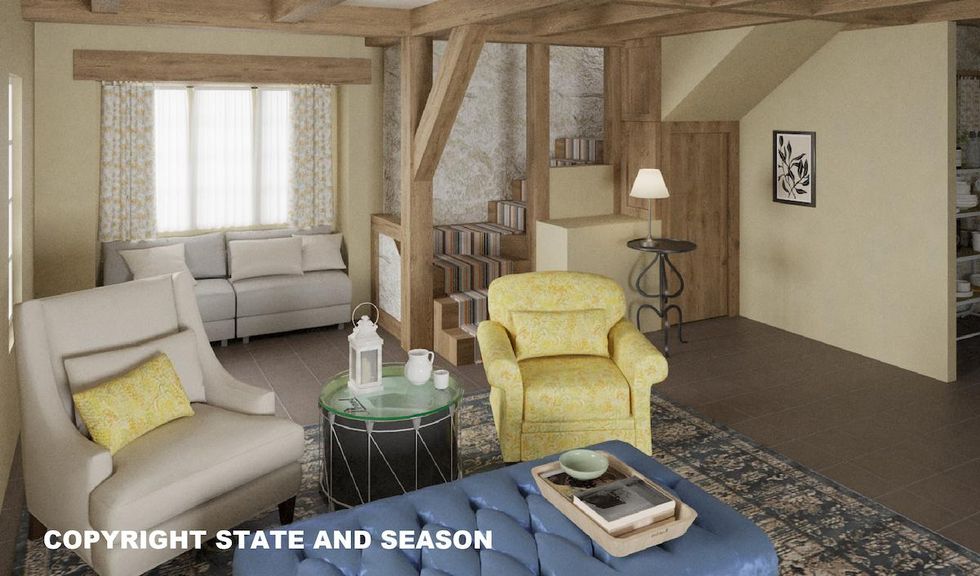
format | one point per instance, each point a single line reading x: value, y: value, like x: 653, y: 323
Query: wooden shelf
x: 966, y: 255
x: 968, y: 327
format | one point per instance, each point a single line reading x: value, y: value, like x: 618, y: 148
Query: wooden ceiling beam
x: 133, y: 66
x: 105, y: 6
x: 340, y: 20
x: 445, y: 99
x: 298, y: 10
x: 689, y: 23
x: 587, y: 18
x: 444, y: 15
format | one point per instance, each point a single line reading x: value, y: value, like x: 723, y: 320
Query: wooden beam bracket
x: 446, y: 97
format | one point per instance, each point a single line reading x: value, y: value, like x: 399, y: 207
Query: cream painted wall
x: 68, y: 116
x: 687, y: 60
x: 742, y: 76
x: 597, y: 244
x: 576, y: 191
x: 16, y: 57
x: 870, y: 269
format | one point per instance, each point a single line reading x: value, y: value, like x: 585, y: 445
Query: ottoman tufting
x: 530, y: 537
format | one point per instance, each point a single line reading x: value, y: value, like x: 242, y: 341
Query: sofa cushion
x: 233, y: 235
x: 574, y: 388
x: 204, y: 254
x: 275, y: 294
x: 189, y: 461
x: 156, y: 261
x: 215, y: 299
x: 322, y: 252
x: 125, y: 407
x: 266, y: 257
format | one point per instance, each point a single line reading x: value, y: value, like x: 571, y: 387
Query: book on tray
x: 617, y: 502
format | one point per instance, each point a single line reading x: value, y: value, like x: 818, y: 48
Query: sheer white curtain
x: 223, y: 157
x: 126, y: 206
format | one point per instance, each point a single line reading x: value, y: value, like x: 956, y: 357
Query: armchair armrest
x: 499, y: 360
x: 224, y: 391
x: 643, y: 366
x: 507, y: 386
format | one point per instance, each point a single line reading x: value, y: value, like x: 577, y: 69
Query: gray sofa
x: 249, y: 307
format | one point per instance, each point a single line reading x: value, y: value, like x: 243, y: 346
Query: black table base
x: 363, y: 461
x: 661, y: 251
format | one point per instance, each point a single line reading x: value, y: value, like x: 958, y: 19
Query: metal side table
x: 662, y: 250
x: 379, y: 444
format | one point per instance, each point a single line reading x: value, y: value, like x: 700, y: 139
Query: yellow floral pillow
x: 122, y: 409
x: 581, y: 332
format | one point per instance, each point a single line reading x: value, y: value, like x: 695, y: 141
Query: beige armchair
x: 211, y: 471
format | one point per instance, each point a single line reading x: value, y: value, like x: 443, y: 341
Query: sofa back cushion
x: 204, y: 255
x: 555, y: 292
x: 322, y: 252
x: 268, y: 257
x: 567, y: 333
x: 233, y: 235
x: 103, y: 319
x: 91, y: 369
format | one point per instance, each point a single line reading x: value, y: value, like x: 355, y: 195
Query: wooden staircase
x: 466, y: 259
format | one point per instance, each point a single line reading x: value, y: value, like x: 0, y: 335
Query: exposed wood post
x: 612, y: 87
x: 446, y: 97
x: 416, y: 199
x: 538, y: 139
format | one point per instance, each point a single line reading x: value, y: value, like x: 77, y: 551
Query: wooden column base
x: 287, y: 510
x: 35, y: 530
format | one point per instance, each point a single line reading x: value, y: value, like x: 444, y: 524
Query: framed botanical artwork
x: 794, y: 160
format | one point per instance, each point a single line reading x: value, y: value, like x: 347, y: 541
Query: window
x: 222, y: 157
x: 14, y: 136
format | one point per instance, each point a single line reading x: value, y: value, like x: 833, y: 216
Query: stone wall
x: 486, y: 149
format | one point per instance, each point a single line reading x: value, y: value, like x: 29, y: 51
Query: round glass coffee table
x: 387, y: 442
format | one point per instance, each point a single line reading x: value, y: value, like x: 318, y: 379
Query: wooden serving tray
x: 623, y: 544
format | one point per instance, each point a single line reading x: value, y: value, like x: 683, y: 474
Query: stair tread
x: 504, y: 230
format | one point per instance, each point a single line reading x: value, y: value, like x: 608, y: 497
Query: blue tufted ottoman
x: 530, y: 536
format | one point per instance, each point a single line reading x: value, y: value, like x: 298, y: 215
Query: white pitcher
x: 418, y: 369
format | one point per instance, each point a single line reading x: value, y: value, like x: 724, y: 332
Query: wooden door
x: 700, y: 165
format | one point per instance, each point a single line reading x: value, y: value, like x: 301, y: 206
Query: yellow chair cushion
x: 574, y: 388
x: 123, y: 408
x: 565, y: 333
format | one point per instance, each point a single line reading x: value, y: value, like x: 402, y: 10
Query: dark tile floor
x: 910, y: 442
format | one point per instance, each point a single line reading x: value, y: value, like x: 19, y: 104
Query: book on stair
x: 625, y: 505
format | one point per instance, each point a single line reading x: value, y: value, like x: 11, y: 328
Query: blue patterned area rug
x: 818, y: 527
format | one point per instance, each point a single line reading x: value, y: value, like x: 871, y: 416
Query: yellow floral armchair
x: 550, y: 404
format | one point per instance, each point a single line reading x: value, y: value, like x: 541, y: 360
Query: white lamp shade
x: 649, y: 183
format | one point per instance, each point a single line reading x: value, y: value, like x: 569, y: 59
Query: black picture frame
x: 800, y: 189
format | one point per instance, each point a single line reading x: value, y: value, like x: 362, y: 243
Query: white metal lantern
x: 365, y: 353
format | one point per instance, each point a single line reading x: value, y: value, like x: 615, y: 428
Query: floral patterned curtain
x: 311, y: 200
x: 127, y: 206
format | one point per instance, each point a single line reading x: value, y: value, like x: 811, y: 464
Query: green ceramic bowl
x: 584, y: 464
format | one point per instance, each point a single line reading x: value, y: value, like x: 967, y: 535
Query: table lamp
x: 650, y: 184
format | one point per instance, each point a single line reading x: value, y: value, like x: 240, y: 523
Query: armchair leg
x: 35, y: 530
x: 287, y: 510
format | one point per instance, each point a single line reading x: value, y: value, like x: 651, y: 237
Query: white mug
x: 418, y: 369
x: 440, y: 378
x: 976, y: 241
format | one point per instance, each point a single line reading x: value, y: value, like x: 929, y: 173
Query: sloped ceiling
x: 723, y: 75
